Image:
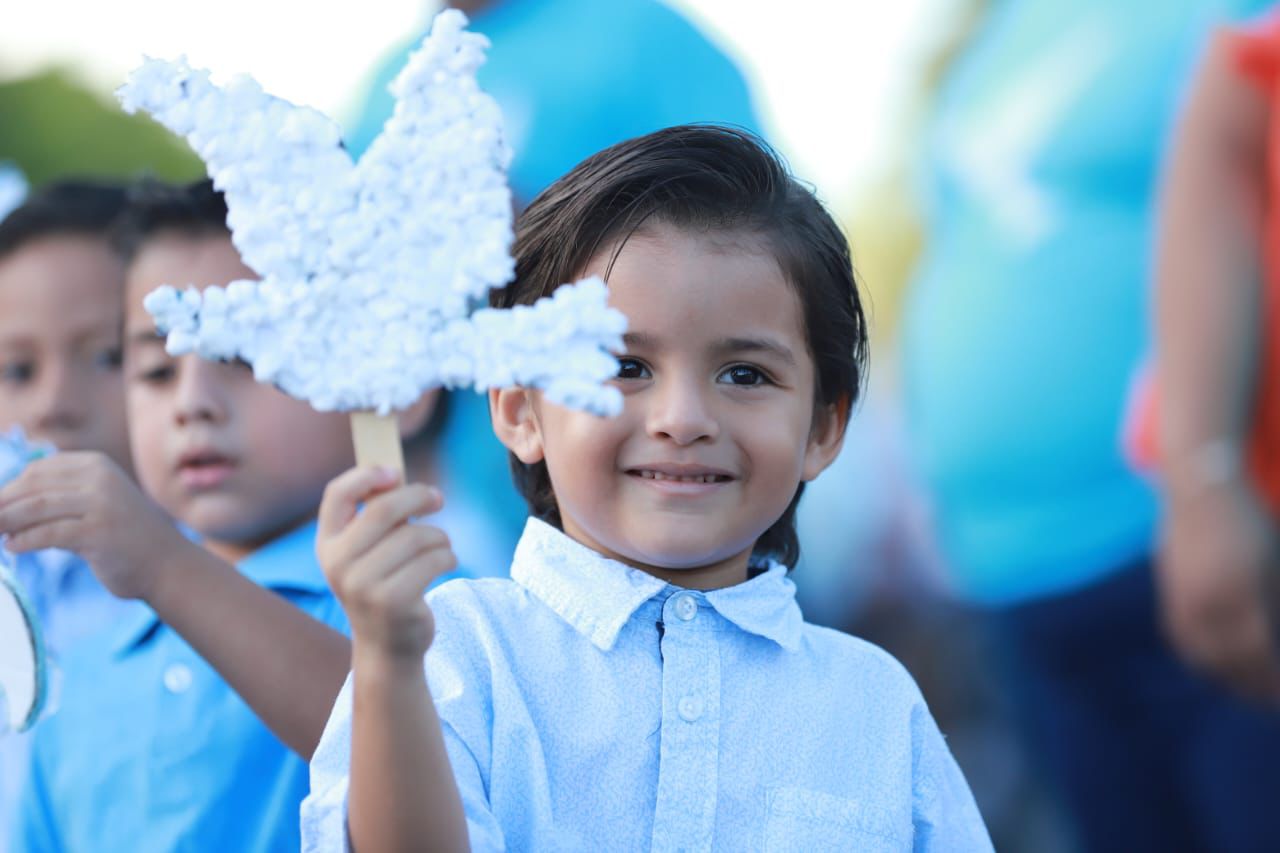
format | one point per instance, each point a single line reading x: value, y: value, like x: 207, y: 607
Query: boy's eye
x: 157, y: 375
x: 743, y: 375
x: 630, y: 368
x: 108, y: 359
x: 17, y: 372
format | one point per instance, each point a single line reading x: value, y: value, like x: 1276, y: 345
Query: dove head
x: 238, y: 461
x: 60, y: 310
x: 744, y: 353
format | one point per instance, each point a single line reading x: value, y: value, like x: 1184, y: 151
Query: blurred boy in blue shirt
x: 151, y: 749
x: 60, y: 307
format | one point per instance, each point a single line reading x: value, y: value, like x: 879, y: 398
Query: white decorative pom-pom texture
x: 372, y: 272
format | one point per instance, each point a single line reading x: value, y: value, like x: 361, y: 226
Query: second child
x: 151, y: 748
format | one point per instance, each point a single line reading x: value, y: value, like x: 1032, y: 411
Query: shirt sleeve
x: 944, y: 815
x: 324, y: 811
x: 453, y: 688
x: 483, y: 831
x: 35, y: 830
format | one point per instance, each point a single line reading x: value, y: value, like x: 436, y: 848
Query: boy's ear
x: 515, y: 422
x: 825, y: 439
x: 413, y: 419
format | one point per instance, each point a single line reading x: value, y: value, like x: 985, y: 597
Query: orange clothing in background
x: 1257, y: 55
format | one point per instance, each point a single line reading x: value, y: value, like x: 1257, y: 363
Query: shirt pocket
x: 798, y: 819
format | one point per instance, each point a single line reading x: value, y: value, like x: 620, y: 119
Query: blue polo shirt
x: 151, y: 750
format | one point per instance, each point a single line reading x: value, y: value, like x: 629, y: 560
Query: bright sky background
x: 831, y: 74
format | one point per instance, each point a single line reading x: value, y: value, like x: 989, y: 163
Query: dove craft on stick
x: 374, y: 273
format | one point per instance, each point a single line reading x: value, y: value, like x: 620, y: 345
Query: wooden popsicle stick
x: 377, y: 440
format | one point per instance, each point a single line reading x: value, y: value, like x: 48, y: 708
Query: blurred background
x: 995, y: 166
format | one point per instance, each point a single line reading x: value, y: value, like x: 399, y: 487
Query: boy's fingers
x: 29, y: 510
x: 391, y: 552
x: 384, y: 513
x: 346, y: 492
x: 422, y: 571
x: 410, y: 579
x: 54, y: 534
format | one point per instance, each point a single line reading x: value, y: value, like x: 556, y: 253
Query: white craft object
x: 372, y: 272
x: 23, y: 669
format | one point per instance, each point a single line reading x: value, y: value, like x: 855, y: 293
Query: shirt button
x: 177, y: 678
x: 686, y: 607
x: 690, y: 708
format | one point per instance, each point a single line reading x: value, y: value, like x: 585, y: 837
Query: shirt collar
x: 287, y: 562
x: 596, y: 596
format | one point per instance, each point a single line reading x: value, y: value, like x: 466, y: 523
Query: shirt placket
x: 690, y: 734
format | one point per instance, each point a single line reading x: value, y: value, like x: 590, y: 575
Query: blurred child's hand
x: 379, y: 565
x: 1218, y: 561
x: 84, y: 502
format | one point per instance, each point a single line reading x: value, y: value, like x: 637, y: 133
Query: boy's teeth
x: 657, y: 475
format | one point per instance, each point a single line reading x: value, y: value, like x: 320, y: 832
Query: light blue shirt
x: 70, y: 604
x: 590, y: 706
x: 152, y: 751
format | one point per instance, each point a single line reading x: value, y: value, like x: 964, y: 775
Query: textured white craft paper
x: 373, y: 273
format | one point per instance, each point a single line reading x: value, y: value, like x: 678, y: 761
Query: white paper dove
x: 373, y: 272
x: 23, y: 666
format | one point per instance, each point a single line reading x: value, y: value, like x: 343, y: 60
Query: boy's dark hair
x: 72, y: 207
x: 704, y: 178
x: 155, y: 207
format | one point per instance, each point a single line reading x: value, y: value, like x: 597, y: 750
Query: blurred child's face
x: 238, y: 461
x: 718, y: 426
x: 60, y: 320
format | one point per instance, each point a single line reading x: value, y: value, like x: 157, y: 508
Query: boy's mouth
x: 203, y: 469
x: 692, y: 475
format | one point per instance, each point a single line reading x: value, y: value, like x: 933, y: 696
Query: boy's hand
x: 1218, y: 565
x: 83, y: 502
x: 379, y: 565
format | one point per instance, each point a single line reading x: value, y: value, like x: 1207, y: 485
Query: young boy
x: 645, y: 680
x: 151, y: 749
x: 60, y: 316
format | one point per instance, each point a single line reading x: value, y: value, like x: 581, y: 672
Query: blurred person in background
x: 1020, y: 331
x: 1212, y: 428
x: 61, y: 289
x: 572, y: 77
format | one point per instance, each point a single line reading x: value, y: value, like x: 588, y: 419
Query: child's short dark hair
x: 72, y: 207
x: 155, y: 207
x: 706, y: 178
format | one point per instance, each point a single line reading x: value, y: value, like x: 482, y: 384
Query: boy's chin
x: 232, y: 529
x: 687, y: 553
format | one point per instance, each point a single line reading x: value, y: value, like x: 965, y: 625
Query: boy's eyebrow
x: 765, y: 345
x: 724, y: 346
x: 638, y: 340
x: 146, y: 336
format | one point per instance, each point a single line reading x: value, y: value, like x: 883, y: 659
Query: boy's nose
x: 679, y: 411
x: 199, y: 395
x: 63, y: 401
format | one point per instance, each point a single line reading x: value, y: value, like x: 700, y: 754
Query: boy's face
x: 238, y: 461
x: 60, y: 320
x: 718, y: 425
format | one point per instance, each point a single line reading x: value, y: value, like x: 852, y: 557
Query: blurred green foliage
x: 53, y: 126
